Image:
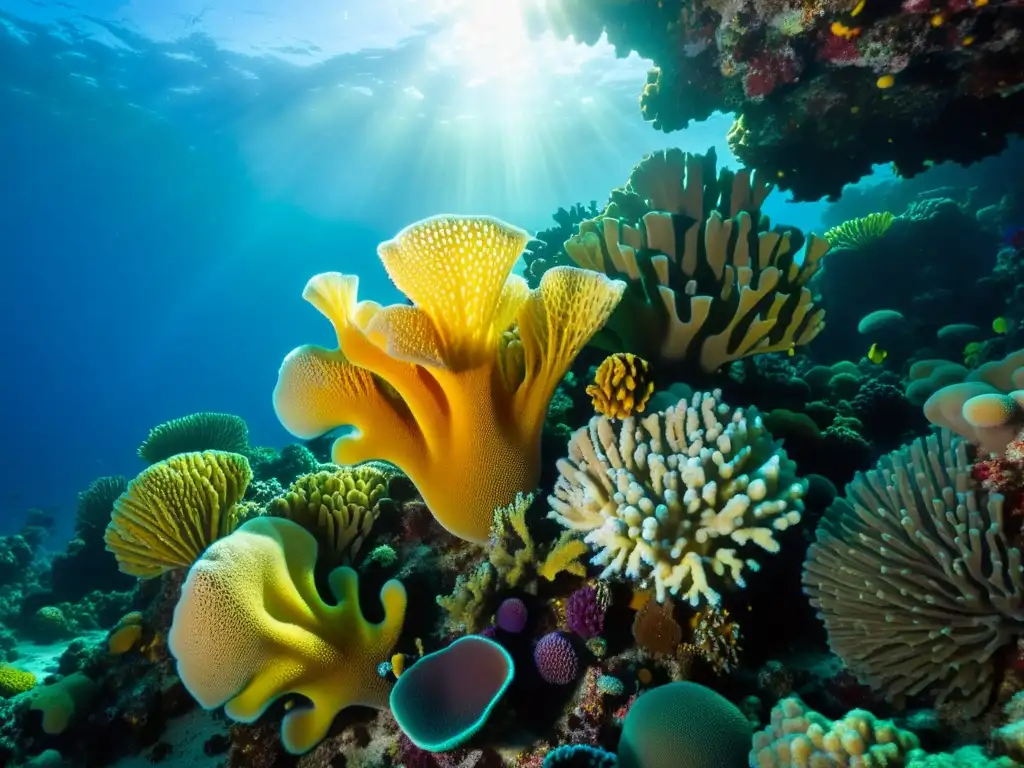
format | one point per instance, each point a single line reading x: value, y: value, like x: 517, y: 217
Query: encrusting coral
x: 338, y: 508
x: 251, y: 627
x: 460, y: 379
x: 175, y: 509
x: 915, y: 579
x: 706, y: 283
x: 658, y: 497
x: 196, y: 432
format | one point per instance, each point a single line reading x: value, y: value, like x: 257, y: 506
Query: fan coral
x: 251, y: 627
x: 622, y: 386
x: 196, y: 432
x: 856, y: 233
x: 175, y: 509
x: 706, y: 284
x: 914, y: 578
x: 461, y: 379
x: 658, y: 498
x: 338, y: 508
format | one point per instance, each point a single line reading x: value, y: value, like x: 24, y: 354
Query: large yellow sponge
x: 250, y: 627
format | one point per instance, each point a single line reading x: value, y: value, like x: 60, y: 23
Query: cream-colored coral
x: 669, y: 500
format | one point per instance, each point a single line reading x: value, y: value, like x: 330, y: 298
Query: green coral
x: 857, y: 233
x: 14, y: 681
x: 196, y: 432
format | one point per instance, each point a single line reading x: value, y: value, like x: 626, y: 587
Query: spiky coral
x: 856, y: 233
x: 443, y: 384
x: 175, y: 509
x: 660, y: 499
x: 706, y: 284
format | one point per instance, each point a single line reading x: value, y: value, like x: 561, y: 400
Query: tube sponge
x: 447, y: 696
x: 250, y: 627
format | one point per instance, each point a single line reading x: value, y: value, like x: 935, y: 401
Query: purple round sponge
x: 556, y: 659
x: 584, y: 614
x: 512, y: 615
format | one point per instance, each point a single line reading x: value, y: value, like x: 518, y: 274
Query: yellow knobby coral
x: 251, y: 627
x: 175, y: 509
x: 707, y: 285
x: 196, y: 432
x: 469, y: 603
x: 519, y: 566
x: 857, y: 233
x: 622, y: 386
x: 338, y: 508
x: 14, y: 681
x: 439, y: 385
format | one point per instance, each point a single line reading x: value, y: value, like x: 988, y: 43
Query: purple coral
x: 584, y: 614
x: 512, y: 615
x: 556, y: 659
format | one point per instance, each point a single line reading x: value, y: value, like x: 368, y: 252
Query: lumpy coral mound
x: 462, y: 378
x: 673, y: 499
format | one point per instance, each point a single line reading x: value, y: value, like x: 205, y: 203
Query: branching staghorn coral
x: 706, y: 284
x: 914, y: 578
x: 660, y: 499
x: 856, y: 233
x: 175, y: 509
x: 442, y: 384
x: 196, y: 432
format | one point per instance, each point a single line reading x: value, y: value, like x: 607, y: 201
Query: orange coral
x: 442, y: 388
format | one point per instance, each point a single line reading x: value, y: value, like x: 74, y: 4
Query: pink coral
x: 556, y: 659
x: 770, y: 69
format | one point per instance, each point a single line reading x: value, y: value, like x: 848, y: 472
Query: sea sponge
x: 338, y: 508
x: 512, y: 615
x: 798, y: 736
x: 61, y: 702
x: 706, y: 284
x: 125, y: 634
x: 461, y: 379
x: 556, y: 659
x: 250, y: 627
x: 660, y: 499
x: 446, y: 697
x: 684, y: 724
x: 622, y: 386
x: 175, y: 509
x: 881, y: 321
x: 196, y: 432
x: 915, y: 579
x: 14, y: 681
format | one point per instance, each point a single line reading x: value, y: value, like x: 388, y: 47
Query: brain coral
x: 684, y: 724
x: 461, y: 379
x: 913, y: 576
x: 251, y: 627
x: 662, y: 498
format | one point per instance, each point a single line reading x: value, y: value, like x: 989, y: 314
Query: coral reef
x: 193, y: 433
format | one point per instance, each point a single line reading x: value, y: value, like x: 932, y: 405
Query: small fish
x: 1014, y: 237
x: 1000, y: 325
x: 791, y: 351
x: 877, y: 355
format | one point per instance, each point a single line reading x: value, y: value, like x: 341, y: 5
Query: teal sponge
x: 684, y: 724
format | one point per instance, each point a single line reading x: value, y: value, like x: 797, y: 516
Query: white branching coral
x: 668, y: 499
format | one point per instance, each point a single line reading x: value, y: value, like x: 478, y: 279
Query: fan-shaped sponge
x: 175, y: 509
x: 250, y: 627
x: 447, y: 696
x: 684, y: 724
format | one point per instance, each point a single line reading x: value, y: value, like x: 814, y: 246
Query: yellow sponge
x: 250, y: 627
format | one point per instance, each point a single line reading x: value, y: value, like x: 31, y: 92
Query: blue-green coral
x: 669, y: 500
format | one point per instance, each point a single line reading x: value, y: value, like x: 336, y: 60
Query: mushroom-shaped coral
x: 915, y: 579
x: 684, y: 724
x: 461, y: 379
x: 175, y: 509
x: 706, y: 284
x: 446, y: 697
x: 250, y: 627
x: 660, y: 499
x: 196, y: 432
x: 338, y: 508
x: 622, y: 386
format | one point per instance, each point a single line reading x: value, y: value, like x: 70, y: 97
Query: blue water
x: 164, y: 198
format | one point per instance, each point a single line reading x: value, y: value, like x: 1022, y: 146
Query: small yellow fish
x: 1000, y: 325
x: 877, y: 355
